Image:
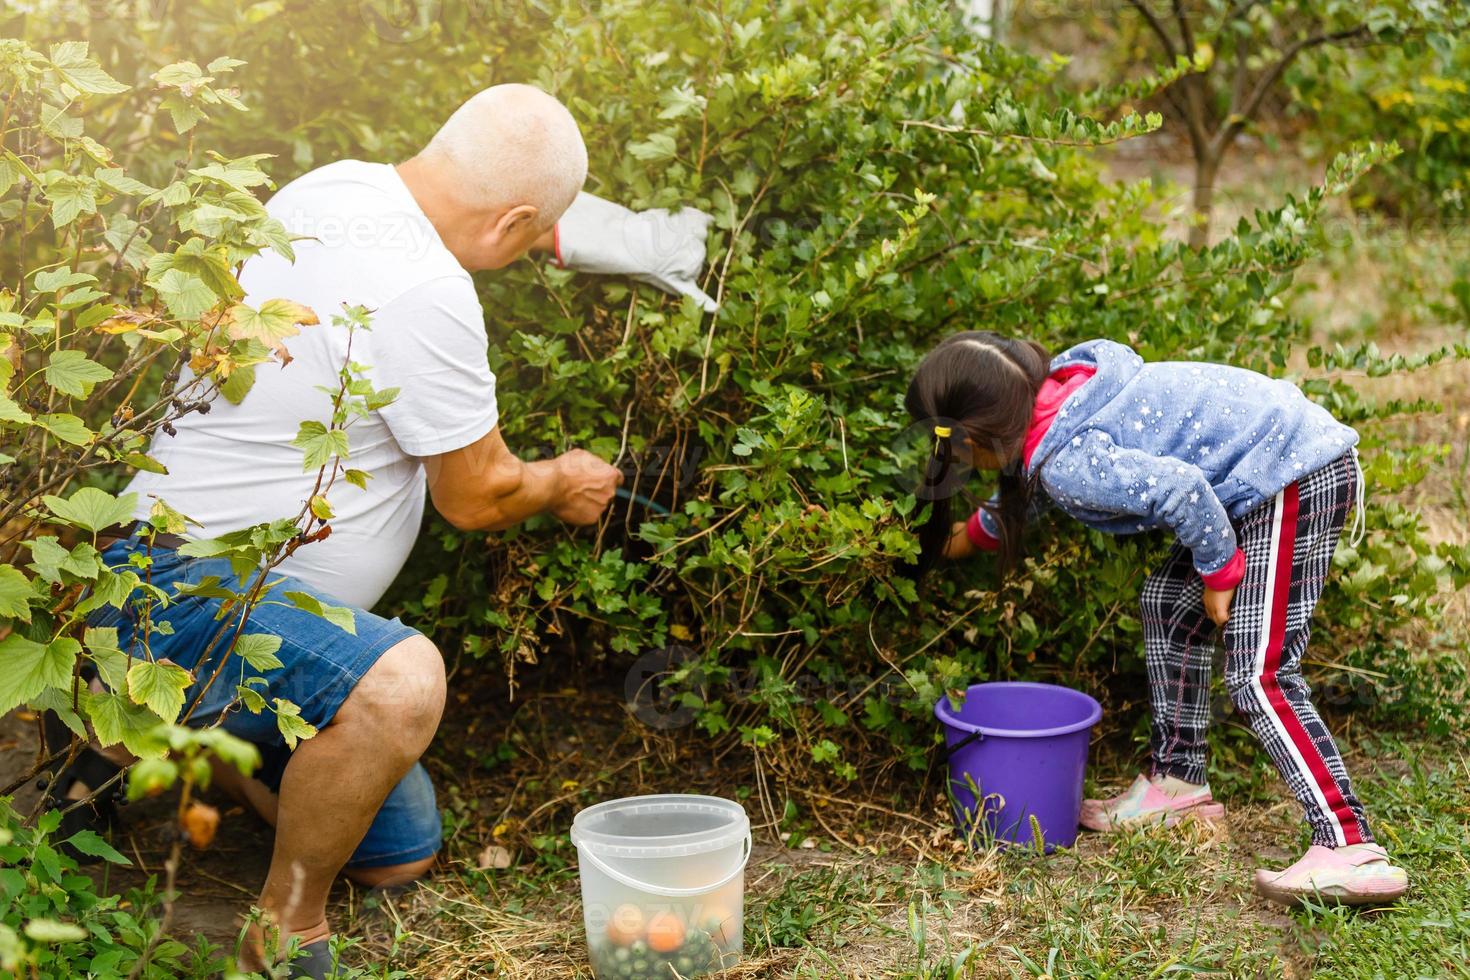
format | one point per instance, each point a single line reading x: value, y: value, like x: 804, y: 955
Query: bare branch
x: 1186, y: 33
x: 1273, y: 74
x: 1239, y: 10
x: 1158, y: 28
x: 1241, y: 79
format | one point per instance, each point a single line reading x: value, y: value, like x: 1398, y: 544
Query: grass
x: 1151, y: 903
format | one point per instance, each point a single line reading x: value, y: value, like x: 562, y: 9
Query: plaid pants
x: 1288, y: 544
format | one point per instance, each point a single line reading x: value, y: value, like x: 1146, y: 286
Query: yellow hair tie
x: 942, y: 431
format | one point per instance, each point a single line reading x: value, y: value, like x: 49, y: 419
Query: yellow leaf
x: 276, y: 320
x: 124, y: 321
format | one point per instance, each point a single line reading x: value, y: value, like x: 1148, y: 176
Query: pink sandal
x: 1357, y: 875
x: 1144, y: 804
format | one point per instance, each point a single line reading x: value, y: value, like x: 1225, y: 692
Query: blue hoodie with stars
x: 1187, y: 446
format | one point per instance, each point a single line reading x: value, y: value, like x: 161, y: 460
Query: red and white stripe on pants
x: 1288, y: 545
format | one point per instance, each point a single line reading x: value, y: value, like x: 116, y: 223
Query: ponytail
x: 939, y: 470
x: 981, y: 387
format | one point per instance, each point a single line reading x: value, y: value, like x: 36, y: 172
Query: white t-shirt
x: 235, y: 466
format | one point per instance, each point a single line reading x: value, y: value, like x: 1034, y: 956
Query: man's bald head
x: 508, y: 146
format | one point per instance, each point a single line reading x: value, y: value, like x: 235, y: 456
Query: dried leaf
x: 494, y: 856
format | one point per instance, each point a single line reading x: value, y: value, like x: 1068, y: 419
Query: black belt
x: 121, y: 532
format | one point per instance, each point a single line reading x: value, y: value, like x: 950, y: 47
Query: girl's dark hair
x: 984, y: 386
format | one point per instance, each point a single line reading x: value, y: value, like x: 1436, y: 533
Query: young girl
x: 1254, y: 481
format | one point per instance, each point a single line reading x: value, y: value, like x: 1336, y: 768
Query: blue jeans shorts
x: 320, y: 664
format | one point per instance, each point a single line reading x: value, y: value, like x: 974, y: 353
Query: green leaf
x: 52, y: 280
x: 176, y: 194
x: 102, y: 648
x: 59, y: 700
x: 146, y: 463
x: 11, y: 412
x: 9, y: 175
x: 47, y: 556
x: 185, y: 294
x: 126, y: 234
x: 50, y: 931
x: 151, y: 777
x: 659, y: 146
x: 252, y: 699
x: 58, y: 124
x: 73, y: 373
x: 292, y: 726
x: 117, y: 719
x: 206, y: 548
x: 259, y: 651
x: 27, y: 668
x: 238, y: 384
x: 69, y: 60
x: 178, y: 74
x: 70, y: 196
x: 319, y: 444
x: 117, y: 180
x: 67, y: 428
x: 93, y: 509
x: 339, y: 615
x: 111, y: 589
x: 240, y: 175
x: 160, y: 686
x: 15, y: 594
x: 50, y: 559
x: 87, y: 842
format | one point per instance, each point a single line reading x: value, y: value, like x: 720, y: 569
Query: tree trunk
x: 1206, y: 168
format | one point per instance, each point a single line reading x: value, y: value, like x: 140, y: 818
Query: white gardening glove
x: 660, y: 247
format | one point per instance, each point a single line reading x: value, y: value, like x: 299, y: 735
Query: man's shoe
x: 313, y: 962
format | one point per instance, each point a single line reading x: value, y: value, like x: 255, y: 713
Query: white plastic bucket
x: 663, y: 884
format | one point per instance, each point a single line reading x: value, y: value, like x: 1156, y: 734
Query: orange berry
x: 200, y: 822
x: 626, y: 925
x: 665, y: 932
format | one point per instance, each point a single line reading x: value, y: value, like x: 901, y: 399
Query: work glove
x: 660, y: 247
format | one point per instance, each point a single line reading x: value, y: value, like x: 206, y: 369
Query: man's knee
x: 402, y: 694
x: 391, y: 876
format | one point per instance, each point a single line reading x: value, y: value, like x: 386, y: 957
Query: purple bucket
x: 1023, y: 746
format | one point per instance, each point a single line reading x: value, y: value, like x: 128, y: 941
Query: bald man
x: 401, y: 241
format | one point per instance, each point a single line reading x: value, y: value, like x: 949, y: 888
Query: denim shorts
x: 320, y: 664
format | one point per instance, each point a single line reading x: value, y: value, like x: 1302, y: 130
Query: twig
x: 1049, y: 141
x: 171, y: 872
x: 862, y: 805
x: 1158, y: 28
x: 1264, y: 84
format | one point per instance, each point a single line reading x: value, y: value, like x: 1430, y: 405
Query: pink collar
x: 1054, y: 390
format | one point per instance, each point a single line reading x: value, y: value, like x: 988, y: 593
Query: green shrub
x: 120, y: 313
x: 1419, y: 95
x: 880, y: 177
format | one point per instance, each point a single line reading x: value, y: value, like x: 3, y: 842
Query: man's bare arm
x: 486, y: 487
